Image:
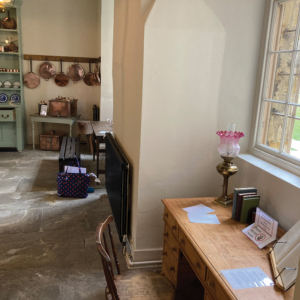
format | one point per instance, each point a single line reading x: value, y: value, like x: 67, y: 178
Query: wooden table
x: 48, y: 119
x: 98, y: 128
x: 194, y: 254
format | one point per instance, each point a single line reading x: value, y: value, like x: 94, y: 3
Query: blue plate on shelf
x: 3, y: 98
x: 15, y: 98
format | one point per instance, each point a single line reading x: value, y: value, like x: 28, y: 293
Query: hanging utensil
x: 97, y: 75
x: 31, y: 80
x: 9, y: 23
x: 75, y: 72
x: 61, y: 79
x: 47, y: 70
x: 89, y: 78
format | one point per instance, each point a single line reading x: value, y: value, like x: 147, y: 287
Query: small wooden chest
x: 50, y: 141
x: 63, y: 107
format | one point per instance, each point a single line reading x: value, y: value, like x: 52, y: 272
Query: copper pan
x: 47, y: 70
x: 31, y: 80
x: 61, y: 79
x: 89, y: 78
x: 9, y: 23
x: 75, y: 72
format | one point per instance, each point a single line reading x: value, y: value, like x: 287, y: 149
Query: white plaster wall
x: 107, y: 27
x: 67, y: 28
x: 199, y: 73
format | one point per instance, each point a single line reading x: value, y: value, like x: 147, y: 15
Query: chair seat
x: 143, y: 286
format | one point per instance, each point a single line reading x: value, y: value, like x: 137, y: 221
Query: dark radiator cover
x: 117, y: 184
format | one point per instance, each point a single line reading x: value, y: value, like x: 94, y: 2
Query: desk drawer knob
x: 165, y: 253
x: 211, y: 284
x: 174, y: 227
x: 198, y: 265
x: 182, y: 241
x: 166, y: 234
x: 174, y: 249
x: 172, y: 269
x: 166, y: 215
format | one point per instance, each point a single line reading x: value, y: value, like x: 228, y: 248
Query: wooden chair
x: 135, y: 283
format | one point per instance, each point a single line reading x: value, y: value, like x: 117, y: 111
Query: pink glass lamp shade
x: 229, y: 143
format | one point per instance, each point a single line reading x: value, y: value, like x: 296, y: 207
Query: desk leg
x: 94, y: 146
x: 71, y: 130
x: 33, y: 142
x: 97, y: 156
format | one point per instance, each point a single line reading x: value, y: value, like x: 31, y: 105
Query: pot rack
x: 62, y: 58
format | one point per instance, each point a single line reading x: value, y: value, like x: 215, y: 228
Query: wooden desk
x: 48, y: 119
x: 206, y: 249
x: 99, y: 126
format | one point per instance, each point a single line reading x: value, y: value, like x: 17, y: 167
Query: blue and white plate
x: 3, y: 98
x: 15, y: 98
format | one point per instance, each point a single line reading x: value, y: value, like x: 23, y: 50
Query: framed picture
x: 43, y: 111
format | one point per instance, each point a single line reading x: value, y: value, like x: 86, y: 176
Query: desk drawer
x: 165, y: 272
x: 7, y: 115
x: 170, y: 261
x: 195, y: 261
x: 169, y: 237
x: 214, y: 287
x: 171, y: 222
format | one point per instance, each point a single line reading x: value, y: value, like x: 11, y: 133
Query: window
x: 278, y: 130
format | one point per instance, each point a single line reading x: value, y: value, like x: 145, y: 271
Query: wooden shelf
x: 62, y: 58
x: 9, y: 30
x: 10, y: 89
x: 9, y: 73
x: 9, y: 53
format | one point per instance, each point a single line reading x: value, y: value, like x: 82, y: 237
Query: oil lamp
x: 228, y: 148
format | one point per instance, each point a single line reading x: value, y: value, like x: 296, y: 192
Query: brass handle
x: 166, y: 215
x: 166, y: 234
x: 182, y: 241
x: 5, y: 117
x: 174, y: 227
x: 198, y: 265
x: 172, y: 269
x: 211, y: 284
x: 174, y: 249
x: 165, y: 253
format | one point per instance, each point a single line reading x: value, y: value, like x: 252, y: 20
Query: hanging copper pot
x: 47, y: 70
x: 97, y: 75
x: 31, y: 80
x: 89, y: 78
x: 75, y: 72
x: 9, y: 23
x: 61, y: 79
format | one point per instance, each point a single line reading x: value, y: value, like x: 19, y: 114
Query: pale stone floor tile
x: 47, y: 248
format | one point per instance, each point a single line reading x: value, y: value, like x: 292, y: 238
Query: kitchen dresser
x: 194, y: 254
x: 12, y: 115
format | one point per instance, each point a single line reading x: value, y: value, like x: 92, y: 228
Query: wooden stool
x: 85, y: 127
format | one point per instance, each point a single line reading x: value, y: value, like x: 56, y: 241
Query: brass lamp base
x: 227, y: 168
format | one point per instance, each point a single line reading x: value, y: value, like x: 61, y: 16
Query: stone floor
x: 47, y: 244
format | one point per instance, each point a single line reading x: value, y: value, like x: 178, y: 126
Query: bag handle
x: 77, y: 164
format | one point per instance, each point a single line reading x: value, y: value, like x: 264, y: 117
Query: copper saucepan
x: 9, y: 23
x: 89, y: 78
x: 47, y: 70
x: 61, y: 79
x: 75, y: 72
x: 31, y: 80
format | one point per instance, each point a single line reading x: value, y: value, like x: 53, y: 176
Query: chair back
x: 103, y: 250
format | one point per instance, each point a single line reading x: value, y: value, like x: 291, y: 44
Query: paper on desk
x: 263, y: 231
x: 202, y: 218
x: 74, y: 170
x: 199, y: 209
x: 247, y: 278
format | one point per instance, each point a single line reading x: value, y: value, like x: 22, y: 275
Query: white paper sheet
x: 247, y: 278
x: 199, y: 209
x: 263, y: 231
x: 74, y: 170
x: 202, y: 218
x: 103, y: 133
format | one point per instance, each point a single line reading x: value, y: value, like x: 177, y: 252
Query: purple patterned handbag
x: 72, y: 185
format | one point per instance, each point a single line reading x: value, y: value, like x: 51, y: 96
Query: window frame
x: 282, y: 160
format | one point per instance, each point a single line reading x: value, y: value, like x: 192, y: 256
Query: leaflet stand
x: 277, y: 276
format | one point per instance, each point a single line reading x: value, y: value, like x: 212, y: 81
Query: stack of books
x: 245, y: 202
